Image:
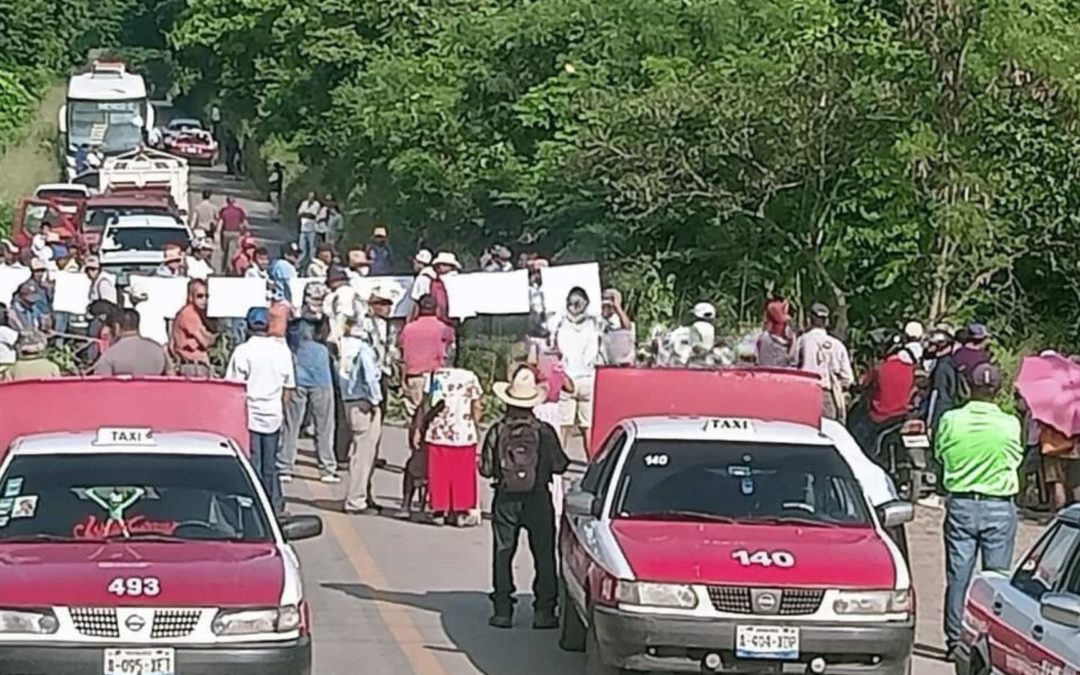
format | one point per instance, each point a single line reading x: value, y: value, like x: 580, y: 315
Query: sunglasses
x: 201, y: 296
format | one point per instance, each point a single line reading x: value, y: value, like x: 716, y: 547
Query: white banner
x: 232, y: 297
x: 487, y: 293
x: 72, y: 292
x: 165, y: 296
x: 10, y: 279
x: 556, y: 283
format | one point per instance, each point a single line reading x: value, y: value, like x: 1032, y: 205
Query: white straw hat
x: 446, y: 258
x: 522, y: 391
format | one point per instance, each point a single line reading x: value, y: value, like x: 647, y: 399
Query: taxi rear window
x: 120, y: 496
x: 739, y: 482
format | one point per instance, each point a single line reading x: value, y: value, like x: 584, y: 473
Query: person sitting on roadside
x: 133, y: 354
x: 192, y: 334
x: 32, y: 362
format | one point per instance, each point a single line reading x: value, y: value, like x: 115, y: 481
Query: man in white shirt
x: 816, y: 351
x: 205, y: 214
x: 577, y: 338
x: 260, y: 264
x: 200, y: 262
x: 322, y: 220
x: 265, y: 365
x: 421, y: 285
x: 308, y: 213
x: 320, y: 264
x: 102, y: 284
x: 340, y: 303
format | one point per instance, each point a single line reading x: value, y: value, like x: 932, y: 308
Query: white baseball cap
x: 704, y: 311
x: 423, y: 256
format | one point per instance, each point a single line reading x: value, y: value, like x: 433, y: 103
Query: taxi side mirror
x: 301, y: 527
x: 580, y: 503
x: 896, y: 513
x: 1061, y: 608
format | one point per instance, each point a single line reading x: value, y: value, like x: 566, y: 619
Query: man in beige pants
x: 361, y: 393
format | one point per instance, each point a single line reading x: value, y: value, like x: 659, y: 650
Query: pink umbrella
x: 1050, y: 385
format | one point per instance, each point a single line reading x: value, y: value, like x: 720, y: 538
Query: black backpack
x: 519, y: 455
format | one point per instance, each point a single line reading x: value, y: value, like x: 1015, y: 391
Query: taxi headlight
x: 253, y: 621
x: 27, y: 621
x: 872, y: 602
x: 649, y: 594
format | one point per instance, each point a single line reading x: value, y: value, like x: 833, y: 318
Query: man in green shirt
x: 32, y: 364
x: 980, y: 450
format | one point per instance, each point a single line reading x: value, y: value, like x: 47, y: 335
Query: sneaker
x: 330, y: 478
x: 499, y: 620
x: 285, y: 478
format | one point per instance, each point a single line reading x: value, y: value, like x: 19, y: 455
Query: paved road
x: 391, y: 597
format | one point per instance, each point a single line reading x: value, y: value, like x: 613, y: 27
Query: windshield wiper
x: 41, y: 536
x: 145, y: 536
x: 680, y: 514
x: 788, y: 520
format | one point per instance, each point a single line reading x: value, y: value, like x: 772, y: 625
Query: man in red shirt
x: 890, y: 386
x: 234, y: 223
x: 425, y: 344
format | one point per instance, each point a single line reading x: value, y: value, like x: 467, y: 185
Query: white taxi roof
x: 86, y: 442
x: 723, y: 428
x: 148, y: 220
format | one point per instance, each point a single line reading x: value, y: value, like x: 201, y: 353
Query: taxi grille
x: 793, y: 601
x: 174, y: 623
x: 96, y: 621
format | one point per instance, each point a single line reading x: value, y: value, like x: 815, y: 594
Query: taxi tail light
x: 913, y: 428
x: 305, y: 618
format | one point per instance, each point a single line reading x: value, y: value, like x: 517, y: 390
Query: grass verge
x: 32, y: 161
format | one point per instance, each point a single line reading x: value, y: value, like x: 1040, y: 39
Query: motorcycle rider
x: 944, y: 377
x: 889, y: 385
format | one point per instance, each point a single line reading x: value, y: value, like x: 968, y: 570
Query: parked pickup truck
x: 146, y: 170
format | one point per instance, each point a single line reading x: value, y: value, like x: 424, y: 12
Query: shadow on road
x: 929, y: 652
x: 464, y: 616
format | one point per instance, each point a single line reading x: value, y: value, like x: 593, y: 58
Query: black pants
x: 510, y: 513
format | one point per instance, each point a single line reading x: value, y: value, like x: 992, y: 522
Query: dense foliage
x: 42, y: 39
x: 891, y: 158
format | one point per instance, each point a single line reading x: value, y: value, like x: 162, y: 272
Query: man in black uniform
x: 520, y: 456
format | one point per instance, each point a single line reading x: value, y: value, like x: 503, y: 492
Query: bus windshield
x: 113, y: 126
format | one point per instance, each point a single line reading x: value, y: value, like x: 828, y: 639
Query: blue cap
x: 258, y: 318
x: 978, y: 331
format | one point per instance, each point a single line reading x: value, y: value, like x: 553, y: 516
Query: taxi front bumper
x: 268, y: 658
x: 680, y: 644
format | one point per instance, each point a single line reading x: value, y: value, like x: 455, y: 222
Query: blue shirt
x: 281, y: 272
x: 311, y: 357
x: 382, y: 259
x: 359, y: 374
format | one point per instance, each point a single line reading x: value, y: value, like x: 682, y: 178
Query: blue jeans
x: 264, y: 449
x: 309, y: 241
x: 973, y: 527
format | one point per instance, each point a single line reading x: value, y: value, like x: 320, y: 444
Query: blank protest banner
x: 397, y: 287
x: 72, y: 292
x: 493, y: 293
x: 557, y: 281
x: 10, y: 278
x: 232, y: 297
x: 164, y: 296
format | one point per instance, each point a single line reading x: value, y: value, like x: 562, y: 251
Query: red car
x: 135, y: 536
x: 187, y: 139
x: 722, y: 526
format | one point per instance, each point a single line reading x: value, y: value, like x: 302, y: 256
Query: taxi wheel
x: 594, y: 664
x: 571, y: 628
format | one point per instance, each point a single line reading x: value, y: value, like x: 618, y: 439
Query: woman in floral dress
x: 451, y: 440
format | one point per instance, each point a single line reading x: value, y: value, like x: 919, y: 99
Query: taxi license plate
x: 766, y: 642
x: 160, y: 661
x: 916, y: 441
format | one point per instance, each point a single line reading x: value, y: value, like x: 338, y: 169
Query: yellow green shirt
x: 980, y: 449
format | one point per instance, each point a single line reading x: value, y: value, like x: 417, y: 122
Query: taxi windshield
x: 739, y: 482
x: 161, y: 497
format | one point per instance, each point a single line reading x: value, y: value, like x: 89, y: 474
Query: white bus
x: 107, y: 110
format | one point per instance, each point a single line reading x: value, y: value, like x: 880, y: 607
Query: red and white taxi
x: 187, y: 139
x: 145, y: 548
x: 723, y: 526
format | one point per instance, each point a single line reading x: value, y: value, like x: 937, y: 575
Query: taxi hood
x: 770, y: 394
x: 71, y: 404
x: 692, y: 552
x: 191, y: 574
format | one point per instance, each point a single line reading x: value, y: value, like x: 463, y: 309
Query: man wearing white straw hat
x: 521, y: 455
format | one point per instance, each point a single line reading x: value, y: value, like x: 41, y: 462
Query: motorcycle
x: 903, y: 449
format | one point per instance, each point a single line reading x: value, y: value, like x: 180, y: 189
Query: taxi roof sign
x: 730, y: 427
x: 124, y: 436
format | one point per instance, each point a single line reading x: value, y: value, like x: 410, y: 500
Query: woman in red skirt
x: 451, y: 441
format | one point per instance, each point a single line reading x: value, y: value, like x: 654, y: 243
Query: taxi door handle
x: 997, y: 607
x: 1037, y: 632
